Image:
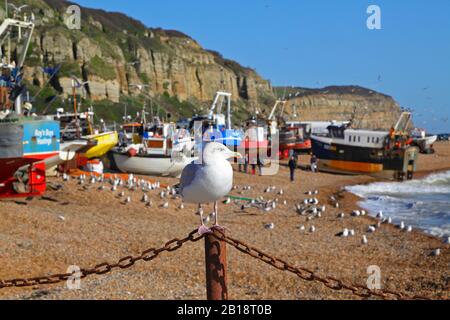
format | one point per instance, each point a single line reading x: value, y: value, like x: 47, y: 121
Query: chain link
x: 308, y: 275
x: 175, y: 244
x: 103, y: 268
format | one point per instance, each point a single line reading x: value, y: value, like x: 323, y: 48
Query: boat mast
x: 5, y: 35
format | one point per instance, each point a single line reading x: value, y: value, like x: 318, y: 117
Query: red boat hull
x: 36, y: 173
x: 305, y: 146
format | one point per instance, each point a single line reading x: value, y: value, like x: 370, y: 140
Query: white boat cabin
x: 355, y: 138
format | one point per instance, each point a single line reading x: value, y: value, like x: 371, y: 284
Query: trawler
x: 27, y: 144
x: 216, y: 126
x: 161, y: 149
x: 351, y: 151
x: 78, y: 126
x: 294, y: 136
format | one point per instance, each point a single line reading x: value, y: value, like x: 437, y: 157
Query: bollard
x: 216, y: 268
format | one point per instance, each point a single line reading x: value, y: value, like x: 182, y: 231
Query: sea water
x: 423, y: 204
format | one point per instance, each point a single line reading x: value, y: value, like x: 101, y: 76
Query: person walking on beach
x: 314, y: 162
x: 292, y: 166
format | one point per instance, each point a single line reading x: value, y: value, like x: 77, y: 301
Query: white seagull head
x: 215, y: 152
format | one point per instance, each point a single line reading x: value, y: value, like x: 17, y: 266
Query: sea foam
x: 423, y: 203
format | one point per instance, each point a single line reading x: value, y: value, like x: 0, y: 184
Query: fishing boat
x: 424, y: 141
x: 26, y: 142
x: 302, y: 132
x: 293, y: 136
x: 255, y: 139
x: 216, y: 126
x: 352, y: 151
x: 164, y: 151
x: 77, y: 127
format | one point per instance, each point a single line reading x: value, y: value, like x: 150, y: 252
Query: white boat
x: 164, y: 151
x: 151, y: 165
x: 424, y: 141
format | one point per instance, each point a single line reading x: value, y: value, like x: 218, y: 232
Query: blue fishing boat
x: 216, y: 126
x: 26, y: 142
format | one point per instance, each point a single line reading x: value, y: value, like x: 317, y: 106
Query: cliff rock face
x: 118, y: 56
x: 368, y: 109
x: 114, y: 52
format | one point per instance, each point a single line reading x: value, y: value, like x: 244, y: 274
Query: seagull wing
x: 188, y: 175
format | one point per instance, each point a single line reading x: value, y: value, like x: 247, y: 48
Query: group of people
x: 257, y: 165
x: 254, y: 163
x: 293, y: 165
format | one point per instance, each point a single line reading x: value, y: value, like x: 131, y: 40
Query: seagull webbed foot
x: 204, y: 230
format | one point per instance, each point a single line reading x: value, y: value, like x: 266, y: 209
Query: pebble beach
x: 85, y: 226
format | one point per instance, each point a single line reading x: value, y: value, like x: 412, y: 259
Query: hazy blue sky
x: 315, y: 43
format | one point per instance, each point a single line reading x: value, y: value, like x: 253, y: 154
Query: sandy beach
x: 87, y: 227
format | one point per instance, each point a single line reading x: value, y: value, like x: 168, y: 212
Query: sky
x: 316, y: 43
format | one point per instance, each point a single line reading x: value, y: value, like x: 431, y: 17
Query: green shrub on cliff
x: 99, y: 67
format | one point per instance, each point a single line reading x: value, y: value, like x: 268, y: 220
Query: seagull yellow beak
x: 236, y: 155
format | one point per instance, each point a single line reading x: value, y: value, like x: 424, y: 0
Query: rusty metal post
x: 216, y: 268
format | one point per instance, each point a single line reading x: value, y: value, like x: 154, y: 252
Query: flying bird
x: 17, y: 9
x: 209, y: 181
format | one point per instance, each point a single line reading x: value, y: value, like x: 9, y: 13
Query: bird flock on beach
x: 311, y: 209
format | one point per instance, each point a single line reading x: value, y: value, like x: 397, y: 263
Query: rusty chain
x: 175, y: 244
x: 310, y: 276
x: 103, y: 268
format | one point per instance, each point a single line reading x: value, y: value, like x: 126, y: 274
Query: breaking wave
x: 423, y: 204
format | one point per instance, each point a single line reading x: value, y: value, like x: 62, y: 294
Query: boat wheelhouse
x: 163, y: 150
x: 354, y: 151
x: 216, y: 126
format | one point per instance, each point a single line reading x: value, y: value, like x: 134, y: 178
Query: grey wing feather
x: 188, y: 175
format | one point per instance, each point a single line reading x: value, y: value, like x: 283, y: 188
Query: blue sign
x: 40, y: 137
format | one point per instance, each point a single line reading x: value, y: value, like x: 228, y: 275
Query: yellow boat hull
x: 105, y: 142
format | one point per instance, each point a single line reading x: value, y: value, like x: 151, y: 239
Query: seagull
x: 210, y: 181
x: 364, y: 240
x: 144, y: 198
x: 356, y: 213
x: 227, y: 201
x: 436, y: 253
x: 17, y: 10
x: 341, y: 215
x: 380, y: 215
x: 302, y: 228
x: 149, y: 204
x: 343, y: 234
x: 402, y: 226
x: 371, y: 229
x: 269, y: 226
x: 447, y: 241
x: 312, y: 229
x: 409, y: 229
x: 181, y: 207
x: 165, y: 205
